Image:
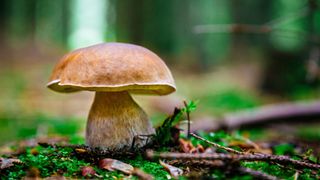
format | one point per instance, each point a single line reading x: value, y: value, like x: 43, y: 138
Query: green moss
x: 153, y: 168
x: 49, y: 161
x: 269, y: 169
x: 284, y: 149
x: 280, y: 172
x: 63, y: 161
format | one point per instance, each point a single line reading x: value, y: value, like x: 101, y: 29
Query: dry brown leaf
x: 6, y: 150
x: 174, y: 171
x: 187, y: 147
x: 80, y: 150
x: 210, y: 150
x: 198, y: 149
x: 56, y: 177
x: 113, y: 164
x: 5, y: 163
x: 87, y: 171
x: 33, y: 172
x: 34, y: 151
x: 56, y: 139
x: 250, y: 147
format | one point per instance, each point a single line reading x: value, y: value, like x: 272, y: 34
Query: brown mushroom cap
x: 112, y: 67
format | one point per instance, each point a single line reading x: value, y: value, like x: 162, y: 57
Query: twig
x: 232, y: 28
x: 221, y: 165
x: 256, y: 174
x: 234, y: 157
x: 217, y: 145
x: 198, y: 163
x: 269, y: 113
x: 141, y: 174
x: 188, y: 117
x: 92, y: 152
x: 293, y: 112
x: 273, y: 26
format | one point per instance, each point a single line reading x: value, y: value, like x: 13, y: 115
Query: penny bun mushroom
x: 113, y: 71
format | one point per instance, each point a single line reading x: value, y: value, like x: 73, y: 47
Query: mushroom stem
x: 115, y: 119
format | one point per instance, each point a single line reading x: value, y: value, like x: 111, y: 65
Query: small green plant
x: 164, y: 132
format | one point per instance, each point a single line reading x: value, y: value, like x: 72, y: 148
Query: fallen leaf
x: 53, y: 140
x: 5, y: 163
x: 34, y: 151
x: 6, y: 150
x: 185, y: 145
x: 55, y: 177
x: 113, y: 164
x: 250, y: 147
x: 33, y: 172
x: 198, y: 149
x: 210, y: 150
x: 87, y: 171
x: 80, y: 150
x: 174, y: 171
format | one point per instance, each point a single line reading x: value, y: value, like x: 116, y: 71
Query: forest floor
x: 257, y: 153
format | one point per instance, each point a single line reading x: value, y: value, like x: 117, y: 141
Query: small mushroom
x: 114, y: 71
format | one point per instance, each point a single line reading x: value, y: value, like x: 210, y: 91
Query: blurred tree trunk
x: 3, y: 19
x: 148, y: 23
x: 52, y: 16
x: 21, y: 19
x: 288, y: 49
x: 167, y: 26
x: 248, y: 12
x: 88, y: 23
x: 211, y: 46
x: 3, y: 31
x: 130, y: 22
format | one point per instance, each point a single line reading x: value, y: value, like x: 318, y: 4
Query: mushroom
x: 113, y: 71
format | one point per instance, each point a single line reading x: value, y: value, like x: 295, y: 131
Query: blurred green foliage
x: 20, y: 126
x: 228, y: 100
x: 309, y: 132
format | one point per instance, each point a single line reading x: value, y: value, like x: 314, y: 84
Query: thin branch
x: 217, y: 145
x: 265, y: 28
x: 293, y: 112
x: 256, y: 174
x: 221, y: 165
x: 198, y: 163
x: 188, y: 117
x: 232, y: 28
x: 269, y: 113
x: 94, y: 152
x: 255, y: 29
x: 234, y: 157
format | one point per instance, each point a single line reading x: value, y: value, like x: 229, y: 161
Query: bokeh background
x: 227, y: 54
